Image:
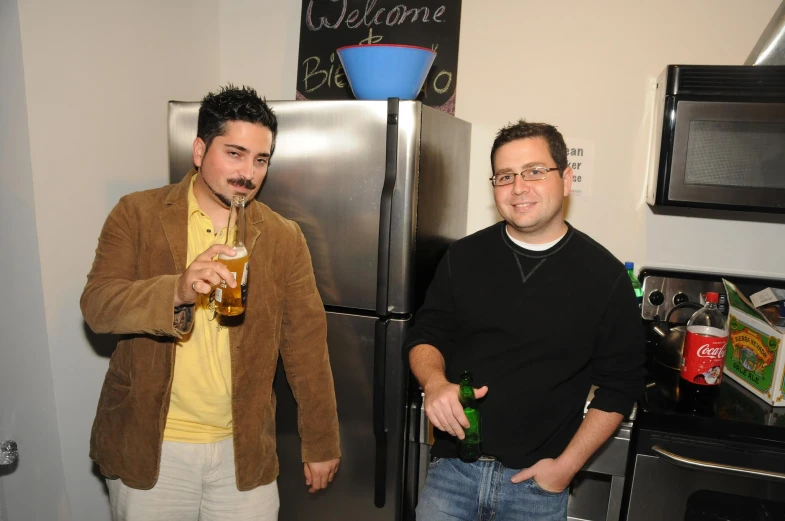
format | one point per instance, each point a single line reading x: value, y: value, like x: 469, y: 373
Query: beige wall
x: 97, y: 76
x: 587, y: 67
x: 259, y: 45
x: 27, y: 396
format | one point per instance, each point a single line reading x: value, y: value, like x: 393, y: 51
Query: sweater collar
x: 535, y: 254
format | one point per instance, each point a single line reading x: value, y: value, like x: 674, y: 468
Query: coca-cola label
x: 703, y: 358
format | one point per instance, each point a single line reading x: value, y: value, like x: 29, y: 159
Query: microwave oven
x: 719, y: 138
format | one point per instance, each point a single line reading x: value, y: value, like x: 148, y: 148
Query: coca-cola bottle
x: 703, y: 357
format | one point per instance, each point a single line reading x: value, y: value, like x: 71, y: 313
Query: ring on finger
x: 193, y: 284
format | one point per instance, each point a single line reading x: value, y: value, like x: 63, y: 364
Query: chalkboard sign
x: 327, y: 25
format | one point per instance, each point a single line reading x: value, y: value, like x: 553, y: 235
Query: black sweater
x: 538, y: 328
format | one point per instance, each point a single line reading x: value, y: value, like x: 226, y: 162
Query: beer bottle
x: 469, y: 446
x: 230, y: 301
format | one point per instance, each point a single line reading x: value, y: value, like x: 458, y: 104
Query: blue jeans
x: 482, y: 491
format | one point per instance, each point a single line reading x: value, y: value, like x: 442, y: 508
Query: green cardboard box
x: 754, y: 356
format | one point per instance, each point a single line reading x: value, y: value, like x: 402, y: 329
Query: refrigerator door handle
x: 379, y: 418
x: 385, y: 217
x: 420, y: 426
x: 425, y: 424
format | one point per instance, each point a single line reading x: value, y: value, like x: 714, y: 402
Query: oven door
x: 689, y: 479
x: 722, y: 155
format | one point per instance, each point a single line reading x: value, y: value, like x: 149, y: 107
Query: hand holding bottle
x: 203, y: 274
x: 443, y: 406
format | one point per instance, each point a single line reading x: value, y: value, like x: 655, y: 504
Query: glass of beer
x: 229, y: 301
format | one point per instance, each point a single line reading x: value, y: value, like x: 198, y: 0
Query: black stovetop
x: 735, y: 415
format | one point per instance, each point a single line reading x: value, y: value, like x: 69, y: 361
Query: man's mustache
x: 245, y: 183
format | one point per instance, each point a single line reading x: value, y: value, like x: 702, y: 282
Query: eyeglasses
x: 535, y: 173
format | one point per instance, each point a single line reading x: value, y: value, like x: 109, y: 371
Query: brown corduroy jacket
x: 130, y: 291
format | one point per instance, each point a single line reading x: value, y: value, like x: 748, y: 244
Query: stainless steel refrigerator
x: 379, y: 189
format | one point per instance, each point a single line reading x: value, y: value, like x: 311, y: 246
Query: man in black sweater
x: 538, y: 311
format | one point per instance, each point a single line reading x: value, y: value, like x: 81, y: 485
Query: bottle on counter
x: 636, y: 285
x: 469, y: 448
x: 703, y: 357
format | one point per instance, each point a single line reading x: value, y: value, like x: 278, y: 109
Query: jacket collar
x: 175, y: 214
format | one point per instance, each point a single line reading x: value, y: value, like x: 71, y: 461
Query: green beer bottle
x: 469, y: 446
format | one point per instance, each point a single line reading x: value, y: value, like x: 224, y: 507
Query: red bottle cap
x: 712, y: 296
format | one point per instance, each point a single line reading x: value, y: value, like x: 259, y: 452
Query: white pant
x: 196, y: 483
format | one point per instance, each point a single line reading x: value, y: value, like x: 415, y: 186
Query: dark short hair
x: 232, y: 103
x: 523, y: 129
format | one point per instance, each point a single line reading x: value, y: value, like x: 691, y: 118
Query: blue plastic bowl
x: 381, y: 71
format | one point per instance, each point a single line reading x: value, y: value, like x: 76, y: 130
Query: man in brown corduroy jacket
x: 185, y: 424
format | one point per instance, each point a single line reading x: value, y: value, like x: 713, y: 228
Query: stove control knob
x: 680, y: 298
x: 656, y: 298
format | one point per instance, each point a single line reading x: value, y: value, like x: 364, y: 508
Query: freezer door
x: 327, y: 174
x: 370, y: 383
x: 442, y: 200
x: 182, y: 117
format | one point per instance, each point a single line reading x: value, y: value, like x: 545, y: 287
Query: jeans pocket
x: 536, y: 486
x: 435, y: 462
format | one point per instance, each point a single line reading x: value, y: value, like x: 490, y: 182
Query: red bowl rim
x: 386, y: 45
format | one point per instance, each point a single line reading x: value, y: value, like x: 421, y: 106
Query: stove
x: 675, y: 295
x: 691, y: 466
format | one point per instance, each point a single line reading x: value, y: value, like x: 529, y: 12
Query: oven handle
x: 696, y: 464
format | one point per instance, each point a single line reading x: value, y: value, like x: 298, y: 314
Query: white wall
x: 27, y: 398
x: 98, y: 76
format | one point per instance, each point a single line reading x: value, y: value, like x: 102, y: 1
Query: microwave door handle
x: 696, y: 464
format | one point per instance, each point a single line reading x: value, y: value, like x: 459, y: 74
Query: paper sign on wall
x: 580, y: 157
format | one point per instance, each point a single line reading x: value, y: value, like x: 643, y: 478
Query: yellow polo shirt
x: 200, y: 410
